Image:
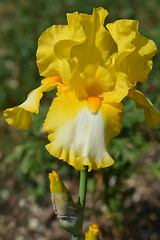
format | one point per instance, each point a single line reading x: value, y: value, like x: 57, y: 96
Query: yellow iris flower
x: 93, y: 67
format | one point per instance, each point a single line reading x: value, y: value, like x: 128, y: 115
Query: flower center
x: 94, y: 104
x: 95, y: 88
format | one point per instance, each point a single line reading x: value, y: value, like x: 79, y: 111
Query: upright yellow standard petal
x: 79, y: 134
x: 55, y: 44
x: 98, y: 45
x: 91, y: 77
x: 94, y: 60
x: 21, y: 116
x: 152, y: 115
x: 134, y: 50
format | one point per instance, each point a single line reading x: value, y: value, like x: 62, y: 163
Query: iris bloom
x: 93, y: 68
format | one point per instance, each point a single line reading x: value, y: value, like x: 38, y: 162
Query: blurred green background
x: 24, y: 162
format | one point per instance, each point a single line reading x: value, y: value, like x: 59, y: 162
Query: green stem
x: 83, y: 187
x: 82, y: 194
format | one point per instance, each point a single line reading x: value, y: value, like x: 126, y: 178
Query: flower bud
x: 68, y: 212
x: 92, y: 233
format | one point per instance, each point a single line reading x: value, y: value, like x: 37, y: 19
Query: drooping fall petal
x: 21, y: 116
x: 79, y: 134
x: 152, y: 115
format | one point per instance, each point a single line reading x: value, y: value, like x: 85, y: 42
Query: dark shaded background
x: 124, y: 199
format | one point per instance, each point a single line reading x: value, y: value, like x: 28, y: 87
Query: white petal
x: 85, y: 136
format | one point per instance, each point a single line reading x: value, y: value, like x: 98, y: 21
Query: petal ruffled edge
x: 152, y: 115
x: 135, y: 52
x: 55, y: 44
x: 80, y: 136
x: 21, y: 116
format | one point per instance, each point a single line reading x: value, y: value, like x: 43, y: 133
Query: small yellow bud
x: 92, y: 233
x: 68, y: 212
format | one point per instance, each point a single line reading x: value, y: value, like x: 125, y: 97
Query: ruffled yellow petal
x: 21, y: 116
x: 91, y: 77
x: 93, y: 60
x: 78, y: 53
x: 152, y: 115
x: 121, y: 88
x: 80, y: 135
x: 98, y: 45
x: 134, y: 50
x: 55, y: 44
